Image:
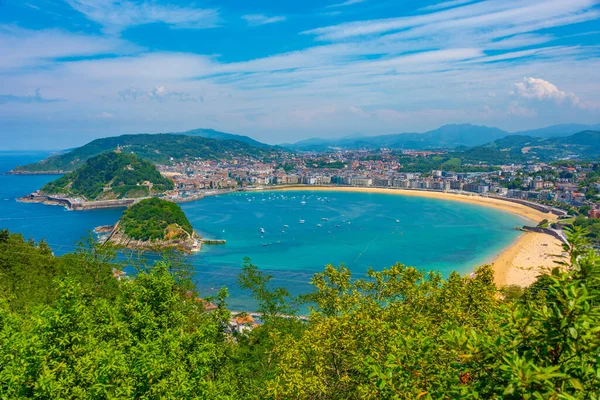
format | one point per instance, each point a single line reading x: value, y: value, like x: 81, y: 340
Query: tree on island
x: 155, y: 219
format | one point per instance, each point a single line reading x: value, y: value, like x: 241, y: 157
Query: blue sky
x: 281, y: 71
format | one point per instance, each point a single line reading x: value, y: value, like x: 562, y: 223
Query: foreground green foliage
x: 111, y: 175
x: 399, y: 333
x: 592, y: 227
x: 151, y: 219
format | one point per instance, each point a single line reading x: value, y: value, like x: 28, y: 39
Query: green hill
x: 155, y: 219
x: 212, y: 134
x: 111, y: 176
x: 520, y: 148
x: 156, y: 148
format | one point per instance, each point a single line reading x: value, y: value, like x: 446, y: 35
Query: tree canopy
x: 111, y: 175
x: 70, y: 329
x: 150, y: 219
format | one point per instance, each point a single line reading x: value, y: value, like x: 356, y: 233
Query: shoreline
x: 523, y: 251
x: 527, y: 256
x: 514, y: 208
x: 517, y: 264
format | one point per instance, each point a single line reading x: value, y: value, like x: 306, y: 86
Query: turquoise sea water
x: 360, y: 230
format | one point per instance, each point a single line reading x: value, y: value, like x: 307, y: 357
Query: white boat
x: 301, y: 221
x: 302, y: 202
x: 325, y: 219
x: 319, y: 225
x: 262, y: 230
x: 286, y: 226
x: 397, y: 221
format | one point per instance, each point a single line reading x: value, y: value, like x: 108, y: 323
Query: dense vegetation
x: 124, y: 175
x: 447, y: 162
x: 151, y: 219
x: 159, y: 148
x: 591, y: 226
x: 68, y: 329
x: 320, y: 163
x: 518, y: 148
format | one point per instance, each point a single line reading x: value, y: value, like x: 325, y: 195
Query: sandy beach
x: 515, y: 208
x: 529, y: 256
x: 518, y: 264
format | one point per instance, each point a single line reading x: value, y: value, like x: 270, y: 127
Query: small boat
x: 286, y: 226
x: 301, y: 221
x: 319, y: 225
x: 397, y: 221
x: 302, y: 202
x: 262, y: 230
x: 337, y: 226
x: 324, y: 219
x: 349, y: 222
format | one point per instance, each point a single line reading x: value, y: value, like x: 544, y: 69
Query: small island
x: 110, y: 179
x: 153, y: 224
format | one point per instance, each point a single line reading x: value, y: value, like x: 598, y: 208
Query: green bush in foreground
x: 399, y: 333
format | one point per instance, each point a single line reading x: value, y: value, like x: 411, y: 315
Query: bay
x: 361, y: 230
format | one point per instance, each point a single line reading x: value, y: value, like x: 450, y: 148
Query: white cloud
x: 480, y: 16
x: 261, y: 19
x: 158, y: 93
x: 516, y: 110
x: 21, y: 48
x: 36, y: 97
x: 117, y: 15
x: 539, y: 89
x: 346, y: 3
x: 102, y: 115
x: 446, y: 4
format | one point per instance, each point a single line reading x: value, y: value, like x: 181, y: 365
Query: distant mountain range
x: 445, y: 137
x: 475, y: 141
x: 156, y: 148
x: 212, y: 134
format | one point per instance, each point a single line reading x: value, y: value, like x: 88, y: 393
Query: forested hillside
x: 70, y: 327
x: 111, y: 176
x: 158, y: 148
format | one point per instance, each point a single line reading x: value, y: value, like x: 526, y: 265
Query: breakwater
x: 552, y: 232
x: 73, y: 204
